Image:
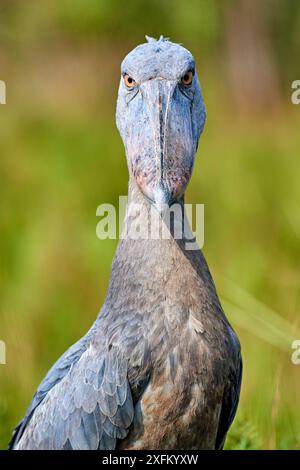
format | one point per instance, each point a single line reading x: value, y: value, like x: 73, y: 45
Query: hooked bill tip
x: 162, y: 200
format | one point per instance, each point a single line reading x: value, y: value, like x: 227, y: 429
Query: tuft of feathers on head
x: 161, y: 39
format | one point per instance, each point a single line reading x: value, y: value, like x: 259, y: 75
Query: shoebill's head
x: 160, y: 116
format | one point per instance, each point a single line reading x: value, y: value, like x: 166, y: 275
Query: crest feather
x: 161, y: 39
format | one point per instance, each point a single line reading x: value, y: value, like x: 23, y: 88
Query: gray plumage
x: 161, y: 366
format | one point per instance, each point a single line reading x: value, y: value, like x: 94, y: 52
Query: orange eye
x: 129, y: 82
x: 187, y: 78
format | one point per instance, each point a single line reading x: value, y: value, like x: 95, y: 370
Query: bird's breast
x: 180, y: 408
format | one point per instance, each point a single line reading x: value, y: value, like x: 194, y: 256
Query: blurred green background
x: 61, y: 156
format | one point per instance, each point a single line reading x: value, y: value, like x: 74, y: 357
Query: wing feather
x: 230, y: 403
x: 83, y: 410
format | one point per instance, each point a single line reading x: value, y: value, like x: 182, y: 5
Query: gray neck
x: 145, y: 265
x: 157, y: 278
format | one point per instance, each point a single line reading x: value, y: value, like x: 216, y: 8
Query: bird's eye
x: 129, y: 82
x: 187, y: 78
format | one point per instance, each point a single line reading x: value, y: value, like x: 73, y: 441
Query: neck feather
x: 149, y: 252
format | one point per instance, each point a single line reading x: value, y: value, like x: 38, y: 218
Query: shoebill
x: 161, y: 367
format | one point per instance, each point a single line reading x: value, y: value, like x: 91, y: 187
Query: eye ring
x: 129, y: 81
x: 187, y: 78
